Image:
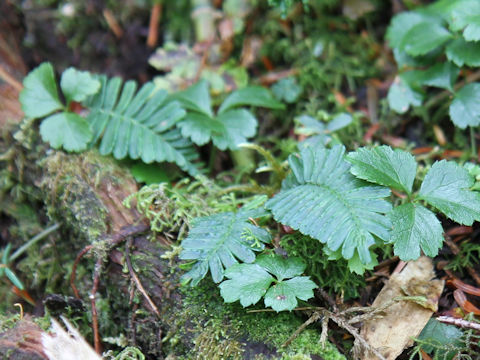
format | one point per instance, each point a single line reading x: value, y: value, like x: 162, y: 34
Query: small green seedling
x: 5, y: 269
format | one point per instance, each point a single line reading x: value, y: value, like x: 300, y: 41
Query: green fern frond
x: 217, y: 241
x: 139, y: 124
x: 321, y: 198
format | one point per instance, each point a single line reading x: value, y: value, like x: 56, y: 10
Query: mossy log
x: 84, y: 193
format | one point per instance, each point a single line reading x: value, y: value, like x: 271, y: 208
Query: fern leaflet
x: 321, y: 198
x: 139, y: 124
x: 216, y: 241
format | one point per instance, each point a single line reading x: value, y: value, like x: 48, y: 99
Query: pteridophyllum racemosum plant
x: 145, y: 124
x: 345, y: 202
x: 433, y: 46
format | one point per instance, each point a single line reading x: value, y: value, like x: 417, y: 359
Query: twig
x: 459, y: 322
x: 113, y: 23
x: 73, y: 276
x: 444, y: 94
x: 113, y: 241
x: 316, y: 316
x: 328, y: 299
x: 9, y: 79
x: 353, y: 331
x: 33, y: 240
x: 136, y: 280
x: 96, y: 280
x: 155, y: 16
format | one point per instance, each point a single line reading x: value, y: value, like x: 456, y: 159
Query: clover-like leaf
x: 401, y: 25
x: 280, y: 267
x: 415, y: 228
x: 321, y: 198
x: 384, y: 166
x: 283, y: 295
x: 196, y: 98
x: 462, y: 52
x: 465, y: 107
x: 442, y: 75
x: 424, y: 37
x: 78, y: 85
x: 250, y: 96
x: 247, y: 283
x: 402, y: 95
x: 217, y: 241
x: 287, y: 89
x: 67, y: 130
x: 39, y: 96
x: 447, y: 188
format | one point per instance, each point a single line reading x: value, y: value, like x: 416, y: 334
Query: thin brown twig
x: 9, y: 79
x: 313, y: 318
x: 136, y: 280
x: 112, y: 241
x: 459, y: 322
x: 73, y: 275
x: 113, y: 23
x: 155, y: 16
x: 354, y: 332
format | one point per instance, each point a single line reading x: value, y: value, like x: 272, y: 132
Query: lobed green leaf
x: 217, y: 241
x: 67, y: 130
x: 465, y: 107
x: 78, y: 85
x: 250, y: 96
x: 415, y: 228
x: 322, y: 199
x: 447, y: 188
x: 39, y: 96
x: 384, y: 166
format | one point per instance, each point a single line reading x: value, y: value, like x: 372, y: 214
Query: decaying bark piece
x: 403, y: 320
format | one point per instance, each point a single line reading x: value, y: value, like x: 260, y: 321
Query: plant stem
x: 444, y: 94
x: 33, y: 240
x: 473, y: 142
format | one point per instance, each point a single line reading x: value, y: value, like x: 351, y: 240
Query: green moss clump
x: 333, y: 276
x: 216, y: 327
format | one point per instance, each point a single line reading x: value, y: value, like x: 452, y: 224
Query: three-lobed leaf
x: 442, y: 75
x: 402, y: 95
x: 461, y: 52
x: 217, y: 241
x: 447, y: 188
x: 229, y: 127
x: 67, y: 130
x: 424, y: 37
x: 321, y: 198
x: 283, y: 295
x: 465, y: 107
x: 78, y: 85
x: 384, y: 166
x: 250, y: 96
x: 39, y: 96
x: 250, y: 282
x: 415, y: 228
x: 247, y: 283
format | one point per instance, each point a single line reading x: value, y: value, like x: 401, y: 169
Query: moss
x: 70, y: 194
x: 212, y: 325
